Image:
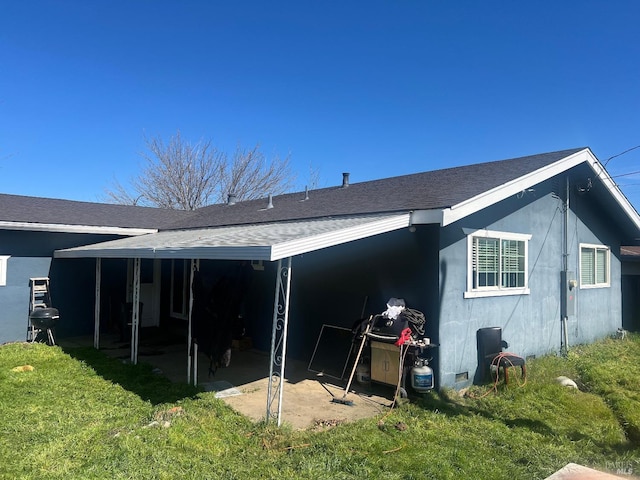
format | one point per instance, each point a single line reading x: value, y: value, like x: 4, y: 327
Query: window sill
x: 496, y: 293
x: 597, y: 285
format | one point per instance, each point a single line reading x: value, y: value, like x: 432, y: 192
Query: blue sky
x: 375, y: 88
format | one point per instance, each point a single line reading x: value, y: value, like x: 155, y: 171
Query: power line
x: 625, y: 174
x: 621, y: 153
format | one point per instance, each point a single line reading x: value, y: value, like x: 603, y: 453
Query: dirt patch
x: 309, y: 403
x: 307, y: 396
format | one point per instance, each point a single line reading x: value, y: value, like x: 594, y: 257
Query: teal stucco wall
x: 531, y: 323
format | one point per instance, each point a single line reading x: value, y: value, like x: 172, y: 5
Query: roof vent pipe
x: 345, y: 180
x: 231, y: 199
x: 270, y: 204
x: 306, y: 192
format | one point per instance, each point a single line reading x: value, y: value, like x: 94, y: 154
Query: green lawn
x: 81, y: 415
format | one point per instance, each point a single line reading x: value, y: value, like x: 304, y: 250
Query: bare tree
x: 184, y: 176
x: 314, y: 177
x: 249, y: 175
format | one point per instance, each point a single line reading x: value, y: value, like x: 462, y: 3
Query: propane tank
x: 421, y: 376
x: 363, y: 373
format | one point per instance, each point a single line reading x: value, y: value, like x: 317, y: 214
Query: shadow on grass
x: 138, y: 379
x: 448, y: 405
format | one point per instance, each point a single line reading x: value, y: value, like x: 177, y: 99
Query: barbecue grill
x: 43, y: 321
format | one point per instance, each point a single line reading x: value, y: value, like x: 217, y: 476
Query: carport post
x: 135, y: 315
x: 190, y: 353
x: 279, y: 341
x: 96, y: 327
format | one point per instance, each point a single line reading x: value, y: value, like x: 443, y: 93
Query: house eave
x: 495, y: 195
x: 246, y: 242
x: 65, y: 228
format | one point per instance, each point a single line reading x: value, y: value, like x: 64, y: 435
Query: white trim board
x: 66, y: 228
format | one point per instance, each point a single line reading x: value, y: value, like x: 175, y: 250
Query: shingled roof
x: 430, y: 191
x: 298, y: 224
x: 420, y: 191
x: 50, y: 211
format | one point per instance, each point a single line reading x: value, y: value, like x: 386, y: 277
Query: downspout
x: 564, y: 343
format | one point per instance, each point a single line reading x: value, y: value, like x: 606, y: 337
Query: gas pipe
x: 421, y: 376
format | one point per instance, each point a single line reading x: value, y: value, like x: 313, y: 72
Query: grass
x: 83, y: 415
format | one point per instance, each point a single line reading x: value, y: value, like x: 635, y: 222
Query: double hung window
x: 594, y: 266
x: 497, y: 264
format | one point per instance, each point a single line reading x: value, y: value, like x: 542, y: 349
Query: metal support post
x: 279, y: 342
x: 192, y: 358
x: 96, y: 326
x: 135, y: 316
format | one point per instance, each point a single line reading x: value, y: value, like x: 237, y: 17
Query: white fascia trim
x: 63, y: 228
x: 490, y: 197
x: 329, y: 239
x: 217, y: 253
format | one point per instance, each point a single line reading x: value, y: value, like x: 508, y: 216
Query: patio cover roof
x: 269, y: 241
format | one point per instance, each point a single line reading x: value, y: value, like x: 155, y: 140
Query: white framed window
x: 3, y: 269
x: 497, y: 263
x: 594, y: 266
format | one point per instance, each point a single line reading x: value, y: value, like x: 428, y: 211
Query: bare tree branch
x: 185, y: 176
x: 314, y: 177
x: 249, y: 175
x: 119, y: 194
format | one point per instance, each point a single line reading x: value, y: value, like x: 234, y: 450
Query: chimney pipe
x: 231, y: 199
x: 345, y: 180
x: 270, y: 204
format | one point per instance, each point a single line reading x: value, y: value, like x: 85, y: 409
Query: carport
x: 272, y: 242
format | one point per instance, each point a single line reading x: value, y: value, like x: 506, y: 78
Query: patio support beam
x: 279, y: 341
x: 96, y: 327
x: 192, y: 357
x: 135, y: 315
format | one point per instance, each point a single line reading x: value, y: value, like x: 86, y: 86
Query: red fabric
x: 405, y: 336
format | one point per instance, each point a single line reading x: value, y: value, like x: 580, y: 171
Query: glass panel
x: 512, y: 263
x: 601, y: 265
x: 486, y: 262
x: 587, y: 266
x: 498, y: 263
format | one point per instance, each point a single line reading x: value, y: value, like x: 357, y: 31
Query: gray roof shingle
x: 18, y: 208
x: 420, y: 191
